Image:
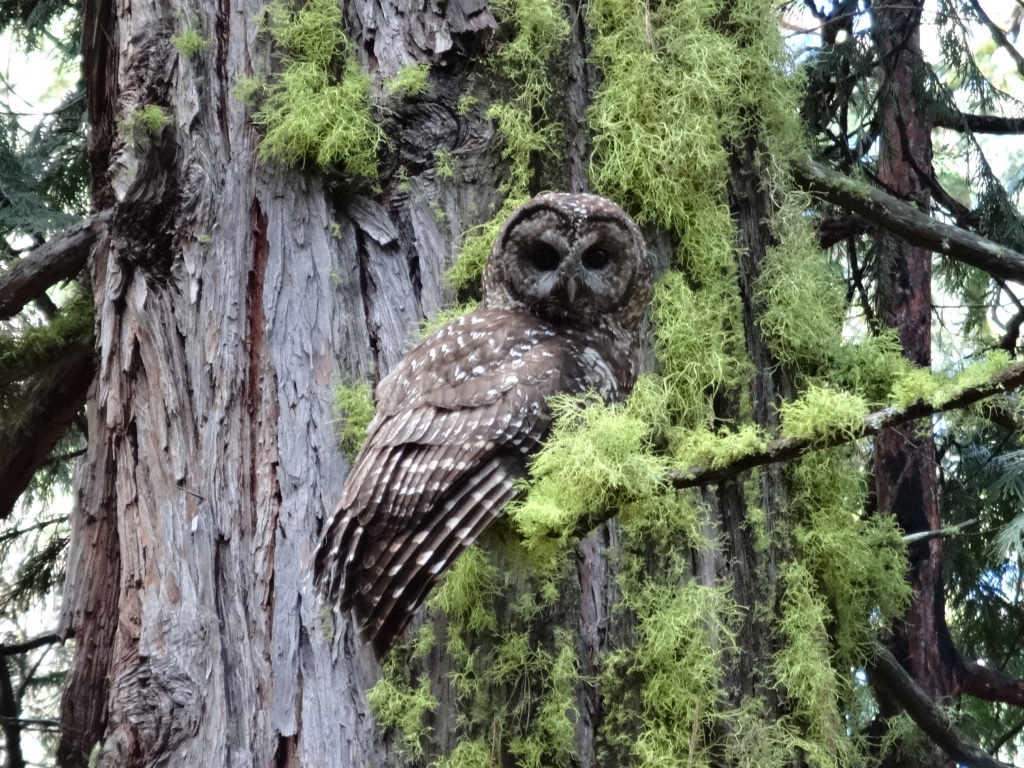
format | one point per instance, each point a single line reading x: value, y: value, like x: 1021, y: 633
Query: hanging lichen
x: 317, y: 108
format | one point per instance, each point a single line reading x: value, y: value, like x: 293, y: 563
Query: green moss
x: 317, y: 109
x: 802, y: 298
x: 870, y: 368
x: 683, y: 632
x: 445, y: 316
x: 444, y: 165
x: 411, y: 80
x: 190, y: 43
x: 821, y: 413
x: 464, y: 593
x: 475, y: 753
x: 355, y: 408
x: 149, y: 119
x: 702, y: 447
x: 398, y: 705
x: 249, y: 90
x: 857, y: 564
x: 595, y: 458
x: 466, y: 103
x: 937, y: 389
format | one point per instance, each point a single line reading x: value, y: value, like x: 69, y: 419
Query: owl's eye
x: 595, y: 258
x: 544, y: 257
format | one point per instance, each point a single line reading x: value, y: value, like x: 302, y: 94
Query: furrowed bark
x: 230, y: 297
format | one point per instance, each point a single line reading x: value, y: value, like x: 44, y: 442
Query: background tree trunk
x: 230, y: 297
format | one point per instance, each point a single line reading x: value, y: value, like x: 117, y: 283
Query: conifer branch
x: 889, y: 678
x: 786, y: 448
x: 31, y: 644
x: 59, y: 259
x: 999, y: 36
x: 908, y: 222
x: 991, y: 124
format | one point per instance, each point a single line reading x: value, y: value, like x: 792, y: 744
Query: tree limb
x: 56, y: 260
x: 57, y: 395
x: 906, y: 221
x: 889, y: 678
x: 786, y: 448
x: 999, y: 36
x: 992, y: 685
x: 952, y: 530
x: 29, y: 645
x: 993, y: 124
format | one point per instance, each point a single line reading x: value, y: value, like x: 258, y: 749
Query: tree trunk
x: 230, y: 296
x: 905, y: 481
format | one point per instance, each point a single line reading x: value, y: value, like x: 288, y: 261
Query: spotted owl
x: 566, y: 286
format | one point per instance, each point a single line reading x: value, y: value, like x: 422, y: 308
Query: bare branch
x: 906, y: 221
x: 29, y: 645
x: 993, y: 124
x: 992, y: 685
x: 59, y: 259
x: 56, y: 397
x: 951, y: 530
x: 889, y: 678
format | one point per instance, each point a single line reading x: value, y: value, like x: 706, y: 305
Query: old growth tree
x: 714, y: 575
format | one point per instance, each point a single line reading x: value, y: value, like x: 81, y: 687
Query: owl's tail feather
x: 335, y: 556
x: 401, y: 580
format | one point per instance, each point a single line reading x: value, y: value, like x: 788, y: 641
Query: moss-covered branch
x: 892, y: 681
x: 787, y: 448
x: 59, y: 259
x: 908, y: 222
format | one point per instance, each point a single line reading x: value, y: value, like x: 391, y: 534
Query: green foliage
x: 444, y: 165
x: 397, y: 704
x: 317, y: 108
x: 190, y: 43
x: 411, y: 80
x: 355, y: 408
x: 249, y: 90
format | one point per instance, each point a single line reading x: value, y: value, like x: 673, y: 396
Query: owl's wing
x: 456, y: 421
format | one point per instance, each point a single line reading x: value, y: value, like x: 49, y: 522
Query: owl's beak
x: 571, y: 284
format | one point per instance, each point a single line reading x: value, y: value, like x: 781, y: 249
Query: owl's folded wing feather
x: 456, y: 421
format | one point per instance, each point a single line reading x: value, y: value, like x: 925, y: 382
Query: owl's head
x: 571, y: 260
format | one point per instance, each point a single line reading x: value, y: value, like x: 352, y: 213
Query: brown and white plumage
x: 565, y: 289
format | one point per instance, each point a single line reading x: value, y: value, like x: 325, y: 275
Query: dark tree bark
x: 905, y: 481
